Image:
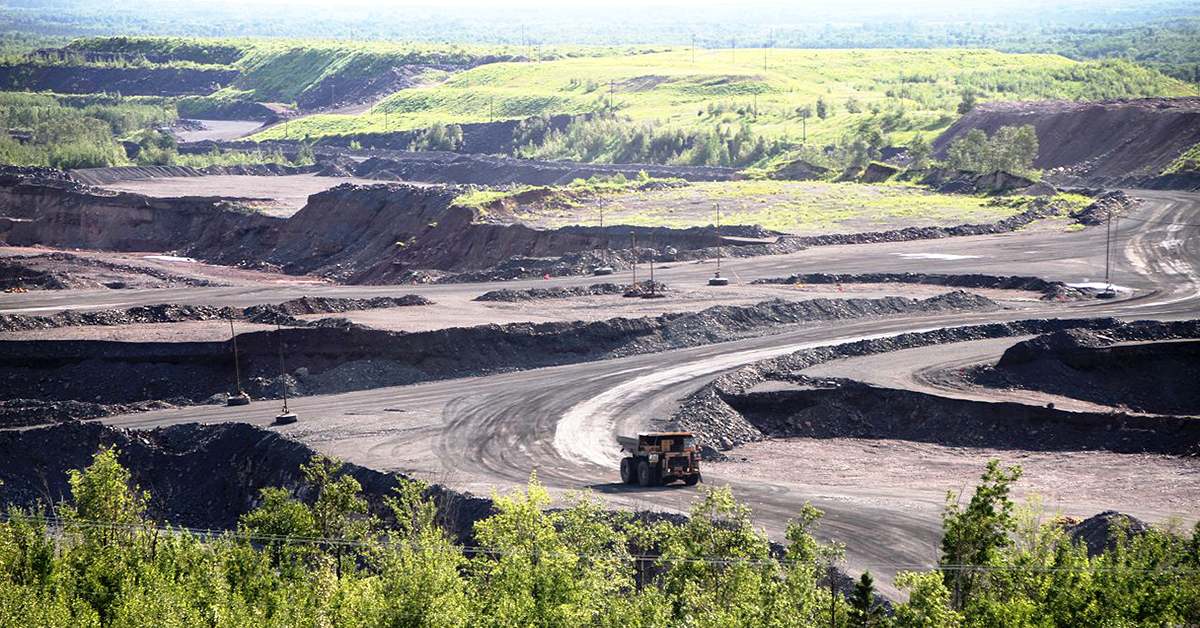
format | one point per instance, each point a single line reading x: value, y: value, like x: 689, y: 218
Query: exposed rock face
x: 60, y: 213
x: 1103, y: 140
x: 877, y: 173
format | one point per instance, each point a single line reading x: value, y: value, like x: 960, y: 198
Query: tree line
x: 328, y: 559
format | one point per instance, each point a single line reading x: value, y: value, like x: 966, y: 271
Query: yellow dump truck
x: 659, y: 458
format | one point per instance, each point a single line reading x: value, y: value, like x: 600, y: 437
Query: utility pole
x: 717, y: 207
x: 633, y: 240
x: 694, y: 50
x: 1108, y: 291
x: 611, y: 88
x: 237, y: 369
x: 651, y: 274
x: 733, y: 51
x: 491, y: 109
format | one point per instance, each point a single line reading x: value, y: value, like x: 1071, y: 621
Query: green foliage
x: 70, y: 131
x: 315, y: 557
x: 900, y: 91
x: 439, y: 137
x: 928, y: 604
x: 968, y: 102
x: 1011, y: 149
x: 919, y: 151
x: 976, y: 533
x: 1188, y: 161
x: 613, y: 140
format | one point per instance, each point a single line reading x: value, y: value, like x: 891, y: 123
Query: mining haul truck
x: 660, y: 458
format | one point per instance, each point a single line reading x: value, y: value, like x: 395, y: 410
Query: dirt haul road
x: 485, y: 432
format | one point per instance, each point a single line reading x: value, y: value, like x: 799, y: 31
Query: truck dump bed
x: 628, y: 443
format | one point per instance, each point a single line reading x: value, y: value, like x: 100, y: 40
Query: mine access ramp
x: 659, y: 458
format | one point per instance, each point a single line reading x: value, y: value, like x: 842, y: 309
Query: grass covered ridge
x: 918, y: 89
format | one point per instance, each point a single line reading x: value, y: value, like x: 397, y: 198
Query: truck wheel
x: 627, y: 471
x: 692, y: 479
x: 644, y: 476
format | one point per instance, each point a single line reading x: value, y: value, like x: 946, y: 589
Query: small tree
x: 928, y: 604
x: 919, y: 150
x: 976, y: 533
x: 864, y: 612
x: 104, y: 494
x: 822, y: 108
x: 967, y: 103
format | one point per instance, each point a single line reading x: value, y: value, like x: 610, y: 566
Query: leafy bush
x: 1011, y: 149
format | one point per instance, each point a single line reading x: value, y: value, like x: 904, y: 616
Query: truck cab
x: 659, y: 458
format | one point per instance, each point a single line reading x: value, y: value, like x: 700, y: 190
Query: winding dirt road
x: 486, y: 433
x: 491, y: 432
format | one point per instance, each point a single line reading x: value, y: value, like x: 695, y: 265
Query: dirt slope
x: 127, y: 81
x: 1102, y: 140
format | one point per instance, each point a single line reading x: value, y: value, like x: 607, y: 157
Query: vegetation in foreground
x: 327, y: 562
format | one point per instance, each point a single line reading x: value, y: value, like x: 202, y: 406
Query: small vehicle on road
x: 659, y: 458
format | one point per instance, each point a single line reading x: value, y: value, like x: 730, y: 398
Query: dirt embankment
x: 845, y: 408
x: 852, y: 410
x: 54, y: 212
x: 1106, y: 141
x: 66, y: 271
x: 50, y: 380
x: 583, y: 261
x: 283, y: 313
x: 340, y: 89
x: 160, y: 81
x: 1050, y: 290
x: 116, y: 174
x: 200, y: 476
x: 379, y: 234
x: 1156, y: 377
x: 387, y: 164
x: 482, y: 138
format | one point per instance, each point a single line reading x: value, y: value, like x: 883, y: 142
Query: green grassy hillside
x: 906, y: 90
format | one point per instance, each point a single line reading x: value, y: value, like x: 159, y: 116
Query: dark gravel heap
x: 24, y: 271
x: 1112, y: 203
x: 709, y: 412
x: 532, y: 294
x: 1157, y: 378
x: 283, y: 313
x: 1097, y: 531
x: 1051, y: 290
